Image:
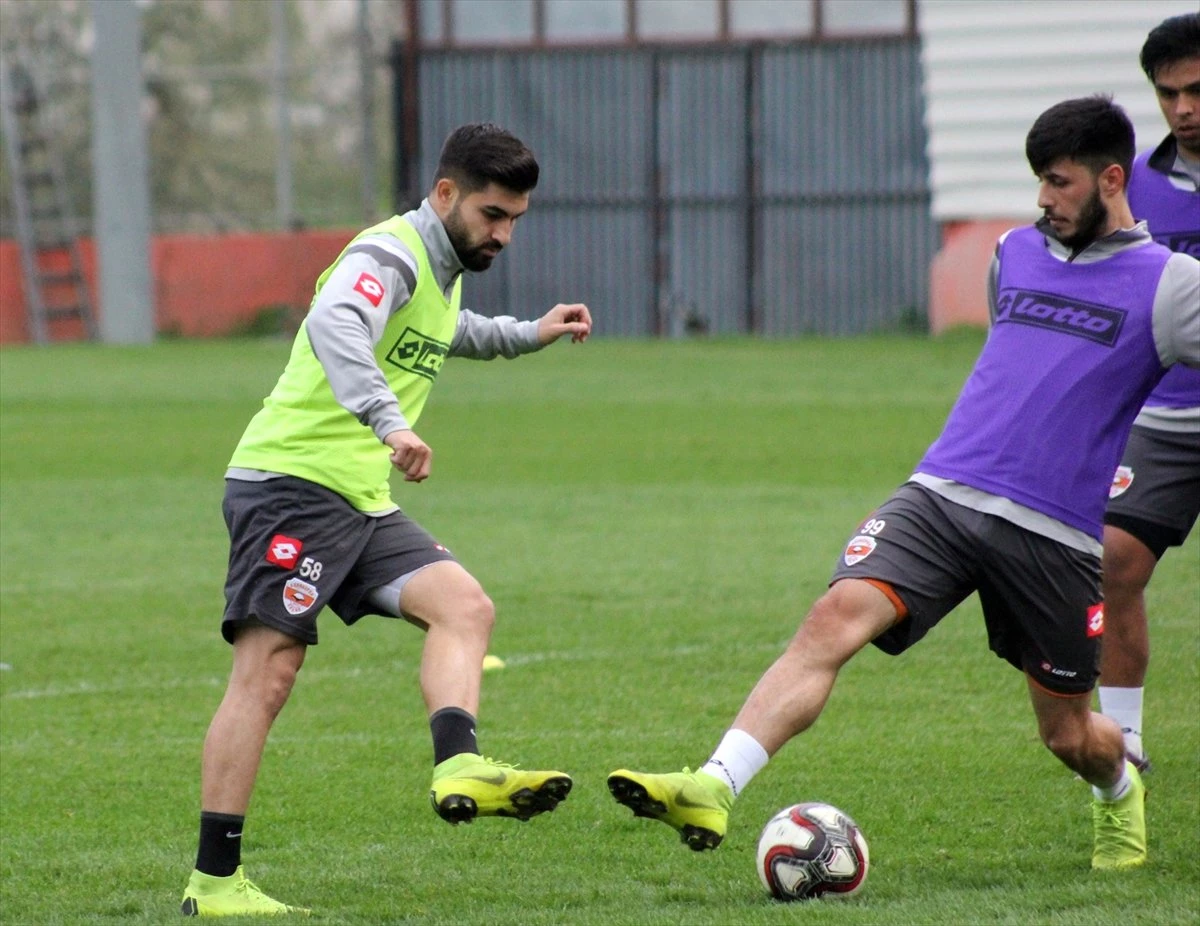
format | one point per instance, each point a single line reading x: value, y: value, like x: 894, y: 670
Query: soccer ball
x: 812, y: 850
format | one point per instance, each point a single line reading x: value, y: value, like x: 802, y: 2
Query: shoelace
x: 252, y: 892
x: 1114, y: 817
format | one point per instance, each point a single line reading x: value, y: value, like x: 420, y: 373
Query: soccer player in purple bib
x: 1088, y: 312
x: 1155, y: 496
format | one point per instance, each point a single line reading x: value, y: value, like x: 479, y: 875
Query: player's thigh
x: 917, y: 549
x: 848, y: 617
x: 397, y: 553
x: 1042, y: 606
x: 445, y: 593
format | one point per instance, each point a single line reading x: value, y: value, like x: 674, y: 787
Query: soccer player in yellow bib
x: 311, y: 519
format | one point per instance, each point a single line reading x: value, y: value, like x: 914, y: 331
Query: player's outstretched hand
x: 411, y: 455
x: 573, y: 319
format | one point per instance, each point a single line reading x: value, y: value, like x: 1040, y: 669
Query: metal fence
x: 767, y: 189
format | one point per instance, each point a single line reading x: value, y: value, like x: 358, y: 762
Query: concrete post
x: 121, y: 187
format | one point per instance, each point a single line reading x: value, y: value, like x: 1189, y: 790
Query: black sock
x: 453, y: 732
x: 220, y: 843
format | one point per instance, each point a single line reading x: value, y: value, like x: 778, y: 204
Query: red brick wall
x: 211, y: 285
x: 202, y: 285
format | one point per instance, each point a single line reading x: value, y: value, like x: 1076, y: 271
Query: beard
x: 1093, y: 216
x: 474, y: 257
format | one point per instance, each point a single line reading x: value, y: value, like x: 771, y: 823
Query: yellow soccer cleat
x: 1120, y: 827
x: 467, y: 786
x: 235, y: 895
x: 694, y: 803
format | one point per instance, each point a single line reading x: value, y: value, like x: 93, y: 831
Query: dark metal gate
x: 766, y: 189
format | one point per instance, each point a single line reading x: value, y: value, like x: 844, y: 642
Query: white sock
x: 737, y: 759
x: 1124, y: 705
x: 1118, y: 789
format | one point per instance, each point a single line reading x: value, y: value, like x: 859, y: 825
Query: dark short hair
x: 1092, y: 130
x: 480, y: 153
x: 1171, y: 40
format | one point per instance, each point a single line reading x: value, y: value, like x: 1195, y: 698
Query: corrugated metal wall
x: 766, y: 189
x: 992, y: 66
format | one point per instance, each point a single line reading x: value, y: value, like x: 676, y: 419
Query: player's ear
x: 445, y: 192
x: 1111, y: 180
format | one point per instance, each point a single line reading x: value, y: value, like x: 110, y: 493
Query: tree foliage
x: 211, y: 106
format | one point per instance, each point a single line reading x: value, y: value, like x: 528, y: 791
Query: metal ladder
x: 57, y: 301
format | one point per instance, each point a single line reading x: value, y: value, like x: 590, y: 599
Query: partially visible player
x: 1155, y: 495
x: 1088, y: 313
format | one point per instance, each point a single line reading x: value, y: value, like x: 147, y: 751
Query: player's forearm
x: 481, y: 338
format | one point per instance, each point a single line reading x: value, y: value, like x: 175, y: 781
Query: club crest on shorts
x: 1122, y: 480
x: 299, y: 596
x: 283, y: 551
x: 1095, y: 620
x: 858, y: 549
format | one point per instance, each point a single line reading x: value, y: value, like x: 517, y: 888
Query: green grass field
x: 652, y: 520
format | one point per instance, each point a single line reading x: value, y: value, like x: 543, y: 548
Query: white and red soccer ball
x: 812, y: 850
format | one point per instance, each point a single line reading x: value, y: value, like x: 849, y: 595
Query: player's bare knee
x: 265, y: 665
x: 274, y: 686
x: 469, y: 610
x: 275, y: 693
x: 1124, y: 579
x: 1128, y: 566
x: 845, y: 619
x: 1068, y: 741
x: 827, y: 614
x: 480, y: 611
x: 828, y: 629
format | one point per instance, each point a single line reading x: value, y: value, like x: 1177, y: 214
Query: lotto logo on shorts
x: 369, y: 287
x: 1095, y: 623
x: 1061, y: 673
x: 858, y: 549
x: 283, y: 551
x: 1122, y: 480
x: 299, y: 596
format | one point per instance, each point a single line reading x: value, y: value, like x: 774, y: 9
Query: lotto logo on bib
x: 1099, y: 323
x: 299, y: 596
x: 1186, y: 242
x: 858, y: 549
x: 283, y: 551
x: 1095, y: 620
x: 418, y: 353
x: 1122, y: 480
x: 369, y: 287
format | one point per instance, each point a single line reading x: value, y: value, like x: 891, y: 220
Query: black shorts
x: 1041, y: 599
x: 295, y: 547
x: 1155, y: 494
